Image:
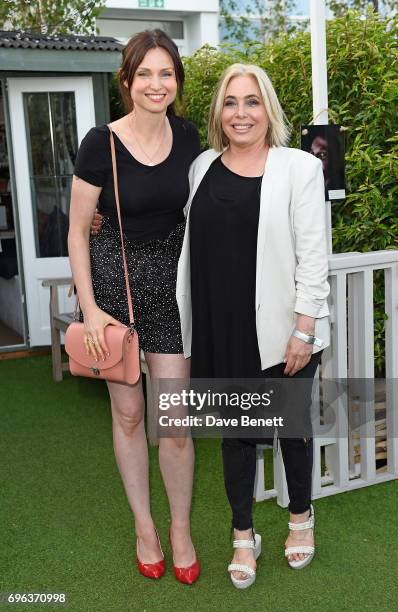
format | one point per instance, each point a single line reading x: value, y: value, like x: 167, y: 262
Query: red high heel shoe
x: 152, y: 570
x: 186, y: 575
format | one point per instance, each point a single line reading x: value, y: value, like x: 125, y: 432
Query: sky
x: 302, y: 6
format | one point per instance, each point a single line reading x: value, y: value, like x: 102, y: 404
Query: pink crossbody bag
x: 123, y: 364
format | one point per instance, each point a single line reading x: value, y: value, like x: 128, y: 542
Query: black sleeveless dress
x: 223, y: 240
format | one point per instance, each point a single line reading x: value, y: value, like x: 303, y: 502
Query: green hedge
x: 363, y: 96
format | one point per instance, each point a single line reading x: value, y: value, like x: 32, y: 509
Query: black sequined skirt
x: 152, y: 268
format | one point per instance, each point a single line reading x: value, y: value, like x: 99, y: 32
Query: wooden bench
x: 59, y: 323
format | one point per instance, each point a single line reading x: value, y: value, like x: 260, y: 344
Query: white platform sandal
x: 308, y: 550
x: 255, y: 545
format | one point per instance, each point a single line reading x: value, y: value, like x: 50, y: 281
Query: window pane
x: 126, y: 28
x: 63, y: 115
x: 39, y: 134
x: 52, y: 147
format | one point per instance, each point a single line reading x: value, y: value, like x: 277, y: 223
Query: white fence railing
x: 364, y: 431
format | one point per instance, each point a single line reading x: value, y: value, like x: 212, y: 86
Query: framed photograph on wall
x: 326, y: 142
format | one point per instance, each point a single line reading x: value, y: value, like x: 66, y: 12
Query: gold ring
x: 90, y: 341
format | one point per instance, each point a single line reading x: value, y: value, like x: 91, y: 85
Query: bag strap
x: 119, y: 216
x: 126, y: 275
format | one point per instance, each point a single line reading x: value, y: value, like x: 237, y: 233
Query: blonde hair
x: 278, y: 130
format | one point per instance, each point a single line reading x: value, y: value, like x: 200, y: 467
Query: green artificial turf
x: 66, y: 525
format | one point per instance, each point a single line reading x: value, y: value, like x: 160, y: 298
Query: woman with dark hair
x: 154, y: 149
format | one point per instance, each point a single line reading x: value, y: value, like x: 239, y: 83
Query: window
x: 126, y: 28
x: 52, y: 148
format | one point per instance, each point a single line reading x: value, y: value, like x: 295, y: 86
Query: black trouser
x: 239, y: 458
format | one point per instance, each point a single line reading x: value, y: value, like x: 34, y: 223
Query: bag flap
x: 115, y: 338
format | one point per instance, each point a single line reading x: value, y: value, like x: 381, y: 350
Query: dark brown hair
x: 133, y: 54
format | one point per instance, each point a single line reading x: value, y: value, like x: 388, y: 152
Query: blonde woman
x: 252, y: 285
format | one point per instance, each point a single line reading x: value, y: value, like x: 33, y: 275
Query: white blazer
x: 292, y: 262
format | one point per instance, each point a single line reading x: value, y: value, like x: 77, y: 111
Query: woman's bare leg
x: 131, y: 452
x: 176, y: 459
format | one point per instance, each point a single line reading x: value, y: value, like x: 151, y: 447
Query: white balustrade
x: 350, y: 356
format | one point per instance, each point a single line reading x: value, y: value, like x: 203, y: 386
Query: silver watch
x: 307, y: 338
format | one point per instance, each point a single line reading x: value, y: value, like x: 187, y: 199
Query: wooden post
x: 55, y: 335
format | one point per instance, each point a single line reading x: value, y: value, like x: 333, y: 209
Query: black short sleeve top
x: 152, y: 198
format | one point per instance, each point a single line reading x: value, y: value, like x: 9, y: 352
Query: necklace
x: 151, y: 159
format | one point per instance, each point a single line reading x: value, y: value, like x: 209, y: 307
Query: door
x: 49, y: 118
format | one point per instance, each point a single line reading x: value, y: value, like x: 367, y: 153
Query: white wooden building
x: 52, y: 91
